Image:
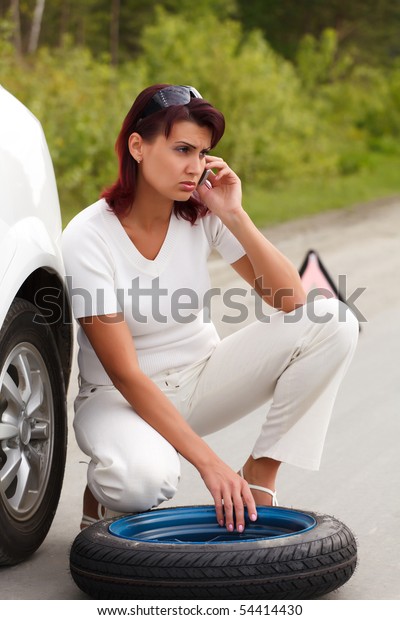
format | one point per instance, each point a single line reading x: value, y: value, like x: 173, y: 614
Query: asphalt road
x: 358, y: 480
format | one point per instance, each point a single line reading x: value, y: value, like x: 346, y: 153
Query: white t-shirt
x: 164, y: 301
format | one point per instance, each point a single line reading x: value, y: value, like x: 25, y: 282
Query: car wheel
x: 33, y: 431
x: 182, y: 553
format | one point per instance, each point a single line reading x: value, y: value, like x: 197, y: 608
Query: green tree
x: 272, y: 133
x: 318, y: 61
x: 372, y: 26
x: 106, y: 27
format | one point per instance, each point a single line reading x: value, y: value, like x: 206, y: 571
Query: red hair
x: 121, y: 194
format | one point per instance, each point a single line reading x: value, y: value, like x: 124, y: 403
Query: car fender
x: 30, y: 248
x: 28, y: 181
x: 8, y: 247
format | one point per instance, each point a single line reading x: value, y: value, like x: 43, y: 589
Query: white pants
x: 294, y: 362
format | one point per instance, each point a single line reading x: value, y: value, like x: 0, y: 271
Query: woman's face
x: 173, y: 166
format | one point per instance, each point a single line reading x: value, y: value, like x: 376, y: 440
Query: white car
x: 35, y: 335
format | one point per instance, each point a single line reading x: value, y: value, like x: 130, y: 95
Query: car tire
x: 33, y: 431
x: 181, y: 553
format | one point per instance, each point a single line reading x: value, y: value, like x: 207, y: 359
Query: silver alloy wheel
x: 26, y: 431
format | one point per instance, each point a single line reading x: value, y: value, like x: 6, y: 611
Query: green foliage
x: 81, y: 105
x: 271, y: 133
x: 370, y: 26
x: 324, y: 117
x: 318, y: 61
x: 304, y: 196
x: 88, y: 22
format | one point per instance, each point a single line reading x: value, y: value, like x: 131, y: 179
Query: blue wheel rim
x: 197, y: 525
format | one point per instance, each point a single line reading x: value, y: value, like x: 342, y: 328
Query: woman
x: 154, y: 376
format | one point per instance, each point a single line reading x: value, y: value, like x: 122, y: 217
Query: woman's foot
x: 261, y: 474
x: 93, y: 511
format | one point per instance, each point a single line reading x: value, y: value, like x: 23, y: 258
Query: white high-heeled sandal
x: 256, y: 487
x: 102, y: 513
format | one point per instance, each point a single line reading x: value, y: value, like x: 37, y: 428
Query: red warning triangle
x: 315, y: 277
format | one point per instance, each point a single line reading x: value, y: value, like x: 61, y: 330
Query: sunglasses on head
x: 168, y: 96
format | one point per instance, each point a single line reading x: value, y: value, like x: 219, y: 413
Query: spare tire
x: 182, y: 553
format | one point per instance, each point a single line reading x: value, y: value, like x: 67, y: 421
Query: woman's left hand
x: 222, y: 192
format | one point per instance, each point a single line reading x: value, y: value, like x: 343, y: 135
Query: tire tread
x: 294, y: 569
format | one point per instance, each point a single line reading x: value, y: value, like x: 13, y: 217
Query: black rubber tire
x: 21, y: 533
x: 302, y: 566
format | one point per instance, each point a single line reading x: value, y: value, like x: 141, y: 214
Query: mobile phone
x: 204, y: 177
